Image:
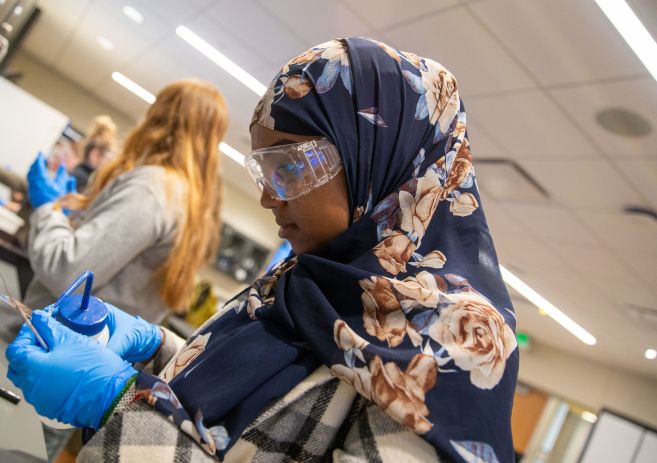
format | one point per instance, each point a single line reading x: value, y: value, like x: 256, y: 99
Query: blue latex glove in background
x: 131, y: 337
x: 75, y: 382
x: 42, y: 188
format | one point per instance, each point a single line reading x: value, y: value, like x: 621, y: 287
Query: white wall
x: 27, y: 126
x: 53, y: 88
x: 591, y: 384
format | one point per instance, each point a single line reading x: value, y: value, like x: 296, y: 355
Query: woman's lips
x: 284, y: 231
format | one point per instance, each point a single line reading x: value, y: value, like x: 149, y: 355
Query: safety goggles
x: 289, y: 171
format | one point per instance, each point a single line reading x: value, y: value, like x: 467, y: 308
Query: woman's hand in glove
x: 131, y: 337
x: 42, y: 188
x: 75, y: 382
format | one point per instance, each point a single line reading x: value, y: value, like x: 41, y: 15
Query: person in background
x: 389, y: 336
x: 150, y: 216
x: 65, y: 152
x: 99, y: 148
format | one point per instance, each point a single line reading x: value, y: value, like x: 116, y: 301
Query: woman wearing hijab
x: 387, y: 336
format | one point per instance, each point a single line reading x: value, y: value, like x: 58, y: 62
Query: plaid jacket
x: 320, y: 420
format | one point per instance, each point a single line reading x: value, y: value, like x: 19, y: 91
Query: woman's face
x: 311, y: 221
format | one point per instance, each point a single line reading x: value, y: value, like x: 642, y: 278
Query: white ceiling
x: 533, y: 74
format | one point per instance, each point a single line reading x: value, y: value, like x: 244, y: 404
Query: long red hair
x: 181, y: 132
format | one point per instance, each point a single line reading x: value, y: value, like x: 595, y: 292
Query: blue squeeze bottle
x: 84, y: 314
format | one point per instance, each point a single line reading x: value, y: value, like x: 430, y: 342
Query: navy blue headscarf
x: 407, y: 305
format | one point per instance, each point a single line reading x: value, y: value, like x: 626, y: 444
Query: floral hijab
x: 407, y: 305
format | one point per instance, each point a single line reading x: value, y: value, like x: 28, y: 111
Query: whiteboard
x: 27, y: 126
x: 613, y: 440
x: 648, y: 451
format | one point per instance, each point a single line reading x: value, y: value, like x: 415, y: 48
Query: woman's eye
x: 285, y: 170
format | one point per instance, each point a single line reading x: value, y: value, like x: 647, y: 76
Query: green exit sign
x: 524, y: 341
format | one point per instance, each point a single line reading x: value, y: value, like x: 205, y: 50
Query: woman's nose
x: 268, y: 201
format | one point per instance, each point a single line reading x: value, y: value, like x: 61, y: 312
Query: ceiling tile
x: 545, y: 331
x: 549, y: 38
x: 503, y: 180
x: 222, y: 39
x: 381, y: 14
x: 260, y: 32
x: 97, y: 65
x: 608, y: 273
x: 529, y: 125
x: 455, y: 39
x: 172, y: 12
x: 564, y: 289
x: 588, y: 184
x: 524, y: 253
x: 337, y: 20
x: 644, y: 266
x: 623, y: 232
x: 267, y: 72
x: 54, y: 27
x: 643, y: 174
x: 117, y: 96
x: 552, y: 223
x: 638, y: 95
x: 130, y: 41
x: 202, y: 4
x: 499, y: 220
x: 175, y: 60
x: 481, y: 143
x: 646, y: 10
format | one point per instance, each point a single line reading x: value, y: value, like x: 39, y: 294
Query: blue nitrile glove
x: 42, y: 188
x: 75, y: 382
x: 71, y: 185
x: 131, y: 337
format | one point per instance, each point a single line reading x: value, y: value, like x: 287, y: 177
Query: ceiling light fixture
x: 221, y: 60
x: 135, y: 88
x: 231, y: 153
x: 651, y: 354
x: 105, y: 43
x: 544, y: 305
x: 148, y: 97
x: 633, y: 31
x: 133, y: 14
x: 588, y: 416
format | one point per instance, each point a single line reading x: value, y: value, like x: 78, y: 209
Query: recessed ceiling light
x: 633, y: 31
x: 545, y: 306
x: 105, y: 43
x: 231, y: 152
x: 651, y: 354
x: 18, y: 10
x: 624, y: 122
x: 133, y: 14
x: 132, y: 86
x: 221, y: 60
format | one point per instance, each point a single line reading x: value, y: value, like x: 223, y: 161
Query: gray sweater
x: 124, y: 238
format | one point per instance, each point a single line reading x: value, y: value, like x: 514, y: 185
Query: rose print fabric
x: 407, y: 306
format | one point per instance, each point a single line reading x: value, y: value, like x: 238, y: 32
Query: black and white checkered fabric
x: 320, y: 420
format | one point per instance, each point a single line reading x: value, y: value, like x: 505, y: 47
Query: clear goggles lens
x: 290, y: 171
